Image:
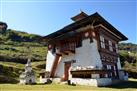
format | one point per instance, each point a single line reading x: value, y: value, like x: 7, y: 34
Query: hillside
x: 18, y: 36
x: 128, y: 47
x: 14, y: 46
x: 14, y: 53
x: 128, y: 57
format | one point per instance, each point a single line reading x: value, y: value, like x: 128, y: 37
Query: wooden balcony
x: 68, y: 48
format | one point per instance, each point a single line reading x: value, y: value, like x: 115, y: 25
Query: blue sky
x: 46, y: 16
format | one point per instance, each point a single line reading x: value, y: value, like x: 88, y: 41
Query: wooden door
x: 66, y: 70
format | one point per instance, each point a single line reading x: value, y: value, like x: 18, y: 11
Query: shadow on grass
x: 124, y: 85
x: 6, y: 79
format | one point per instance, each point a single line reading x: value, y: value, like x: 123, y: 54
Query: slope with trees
x: 128, y: 57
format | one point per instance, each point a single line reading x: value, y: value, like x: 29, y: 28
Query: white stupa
x: 28, y: 76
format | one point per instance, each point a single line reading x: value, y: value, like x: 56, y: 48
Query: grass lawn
x: 124, y: 86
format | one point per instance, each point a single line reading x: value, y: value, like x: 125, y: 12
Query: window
x: 102, y: 75
x: 81, y: 75
x: 103, y: 58
x: 105, y: 67
x: 112, y: 67
x: 110, y: 46
x: 102, y: 42
x: 106, y: 44
x: 108, y: 67
x: 54, y: 49
x: 116, y: 48
x: 108, y: 59
x: 110, y: 75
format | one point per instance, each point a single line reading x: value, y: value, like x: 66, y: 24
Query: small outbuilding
x: 27, y: 77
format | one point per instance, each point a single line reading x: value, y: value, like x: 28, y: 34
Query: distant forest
x: 128, y: 57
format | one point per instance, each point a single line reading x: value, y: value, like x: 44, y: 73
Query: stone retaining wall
x: 92, y: 82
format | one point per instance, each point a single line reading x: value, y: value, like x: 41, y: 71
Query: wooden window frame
x: 116, y: 46
x: 102, y: 42
x: 110, y: 45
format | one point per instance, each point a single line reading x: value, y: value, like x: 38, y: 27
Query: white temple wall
x: 118, y: 64
x: 87, y: 55
x: 92, y: 82
x: 60, y: 68
x: 49, y: 61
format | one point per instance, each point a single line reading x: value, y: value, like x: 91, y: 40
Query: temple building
x: 85, y: 52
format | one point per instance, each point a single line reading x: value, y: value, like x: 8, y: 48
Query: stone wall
x: 122, y: 75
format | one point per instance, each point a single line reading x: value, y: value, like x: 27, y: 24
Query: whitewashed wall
x: 87, y: 55
x: 50, y: 61
x: 119, y: 64
x: 92, y: 82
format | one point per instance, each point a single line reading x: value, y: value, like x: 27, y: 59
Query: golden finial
x: 81, y: 11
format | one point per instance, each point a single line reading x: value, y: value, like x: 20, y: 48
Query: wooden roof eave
x: 63, y: 36
x: 110, y: 27
x: 71, y: 27
x: 84, y: 21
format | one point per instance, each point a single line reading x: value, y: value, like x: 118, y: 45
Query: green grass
x: 13, y: 64
x: 124, y: 86
x: 37, y: 52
